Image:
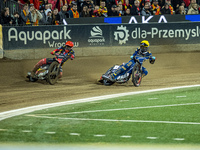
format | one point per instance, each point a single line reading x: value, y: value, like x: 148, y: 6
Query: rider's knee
x: 145, y: 72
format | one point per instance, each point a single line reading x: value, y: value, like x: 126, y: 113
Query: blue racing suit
x: 136, y: 56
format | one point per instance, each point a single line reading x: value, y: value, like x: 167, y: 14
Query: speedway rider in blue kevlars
x: 141, y: 53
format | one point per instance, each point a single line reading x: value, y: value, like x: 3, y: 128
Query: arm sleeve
x: 33, y: 17
x: 39, y: 15
x: 24, y: 18
x: 149, y: 55
x: 136, y: 51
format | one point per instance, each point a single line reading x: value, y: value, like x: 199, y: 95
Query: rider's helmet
x: 69, y: 45
x: 144, y: 46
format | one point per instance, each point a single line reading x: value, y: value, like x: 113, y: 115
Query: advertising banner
x: 157, y: 34
x: 100, y: 35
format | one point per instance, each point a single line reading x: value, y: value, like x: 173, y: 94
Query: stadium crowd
x: 56, y: 12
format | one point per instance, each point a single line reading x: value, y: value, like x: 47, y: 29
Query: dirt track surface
x: 80, y: 79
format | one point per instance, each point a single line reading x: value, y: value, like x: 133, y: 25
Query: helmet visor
x: 68, y: 47
x: 143, y: 48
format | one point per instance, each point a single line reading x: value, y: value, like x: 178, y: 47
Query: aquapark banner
x: 37, y: 37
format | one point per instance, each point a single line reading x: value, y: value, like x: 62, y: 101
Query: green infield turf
x: 165, y: 117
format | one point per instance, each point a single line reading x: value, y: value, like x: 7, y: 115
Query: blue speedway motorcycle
x: 134, y: 71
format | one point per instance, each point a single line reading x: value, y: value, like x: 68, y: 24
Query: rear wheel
x: 137, y: 74
x: 53, y: 72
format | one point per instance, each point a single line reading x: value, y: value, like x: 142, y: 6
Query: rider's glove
x: 132, y: 57
x: 152, y: 60
x: 72, y: 57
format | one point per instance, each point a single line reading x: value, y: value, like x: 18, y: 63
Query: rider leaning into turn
x: 62, y: 53
x: 142, y: 51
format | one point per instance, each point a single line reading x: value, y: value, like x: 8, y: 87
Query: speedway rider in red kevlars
x: 62, y: 53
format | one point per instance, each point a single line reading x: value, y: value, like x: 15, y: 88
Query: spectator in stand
x: 47, y: 6
x: 181, y: 11
x: 6, y: 19
x: 182, y: 3
x: 2, y: 4
x: 36, y: 16
x: 26, y: 16
x: 155, y: 8
x: 117, y: 1
x: 136, y: 10
x: 103, y: 8
x: 161, y: 3
x: 85, y: 12
x: 90, y: 9
x: 176, y: 4
x: 143, y: 2
x: 63, y: 14
x: 132, y: 2
x: 120, y: 8
x: 170, y: 6
x: 146, y: 10
x: 187, y: 3
x: 52, y: 3
x: 165, y: 10
x: 48, y: 17
x: 73, y: 13
x: 43, y: 5
x: 17, y: 19
x: 126, y: 5
x: 193, y: 2
x: 96, y: 11
x: 70, y: 3
x: 55, y: 17
x: 24, y: 1
x: 114, y: 11
x: 109, y: 4
x: 61, y: 3
x: 193, y: 9
x: 36, y: 4
x: 87, y: 3
x: 127, y: 12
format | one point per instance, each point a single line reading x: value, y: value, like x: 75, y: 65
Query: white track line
x: 16, y: 112
x: 179, y: 139
x: 119, y: 109
x: 115, y: 120
x: 152, y: 138
x: 125, y: 136
x: 99, y: 135
x: 26, y: 131
x: 77, y: 134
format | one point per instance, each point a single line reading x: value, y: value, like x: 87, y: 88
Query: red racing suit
x: 62, y: 55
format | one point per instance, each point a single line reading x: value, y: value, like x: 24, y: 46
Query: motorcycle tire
x: 53, y: 73
x: 108, y: 83
x: 32, y: 79
x: 137, y: 75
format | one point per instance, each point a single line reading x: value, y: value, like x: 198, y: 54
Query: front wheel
x: 53, y: 73
x: 32, y: 79
x: 108, y: 83
x: 137, y: 74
